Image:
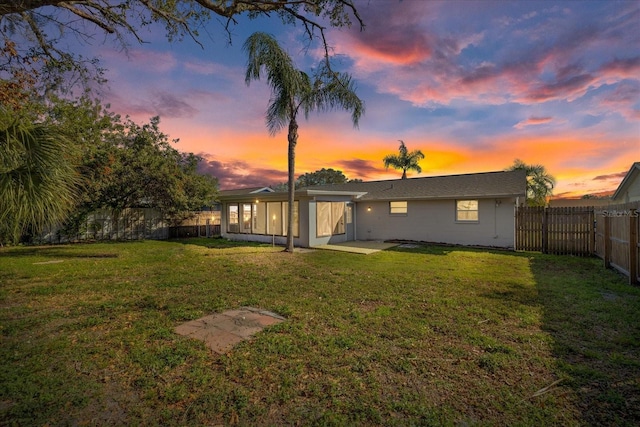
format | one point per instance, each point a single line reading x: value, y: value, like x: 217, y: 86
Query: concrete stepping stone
x: 222, y: 331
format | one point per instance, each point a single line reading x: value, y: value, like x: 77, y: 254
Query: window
x: 467, y: 210
x: 233, y: 225
x: 397, y: 208
x: 330, y: 218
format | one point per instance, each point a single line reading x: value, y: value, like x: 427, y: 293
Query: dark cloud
x: 358, y: 168
x: 239, y: 174
x: 163, y: 104
x: 166, y: 104
x: 616, y: 176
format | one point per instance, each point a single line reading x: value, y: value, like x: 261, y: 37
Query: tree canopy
x: 31, y: 31
x: 323, y: 177
x: 404, y: 160
x: 57, y: 167
x: 540, y: 183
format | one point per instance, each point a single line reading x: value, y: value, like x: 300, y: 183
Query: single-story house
x: 629, y: 188
x: 469, y: 209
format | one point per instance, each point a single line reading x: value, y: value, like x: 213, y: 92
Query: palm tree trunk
x: 293, y: 139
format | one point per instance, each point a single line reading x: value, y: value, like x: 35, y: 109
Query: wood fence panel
x: 620, y: 236
x: 561, y: 231
x: 529, y: 229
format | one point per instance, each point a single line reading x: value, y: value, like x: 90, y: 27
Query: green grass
x: 425, y: 336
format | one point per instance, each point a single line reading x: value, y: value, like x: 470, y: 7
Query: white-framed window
x: 467, y: 210
x: 398, y: 207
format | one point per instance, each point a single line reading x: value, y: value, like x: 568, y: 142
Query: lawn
x: 424, y: 336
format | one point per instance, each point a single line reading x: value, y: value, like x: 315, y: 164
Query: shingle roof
x: 245, y: 191
x: 488, y: 184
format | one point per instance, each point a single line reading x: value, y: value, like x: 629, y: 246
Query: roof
x: 627, y: 180
x: 477, y: 185
x: 245, y: 191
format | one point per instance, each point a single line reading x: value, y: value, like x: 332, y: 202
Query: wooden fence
x: 618, y: 238
x: 559, y: 231
x: 609, y: 232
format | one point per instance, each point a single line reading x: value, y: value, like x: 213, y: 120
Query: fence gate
x: 559, y: 231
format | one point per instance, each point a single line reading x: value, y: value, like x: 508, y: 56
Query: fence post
x: 633, y: 247
x: 606, y: 225
x: 545, y: 230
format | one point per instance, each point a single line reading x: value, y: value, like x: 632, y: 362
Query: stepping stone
x: 224, y: 330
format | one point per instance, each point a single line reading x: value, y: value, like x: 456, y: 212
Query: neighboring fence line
x: 106, y: 224
x: 199, y: 224
x: 136, y: 224
x: 610, y: 232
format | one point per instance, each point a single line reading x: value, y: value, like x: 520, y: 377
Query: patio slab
x: 222, y: 331
x: 364, y: 247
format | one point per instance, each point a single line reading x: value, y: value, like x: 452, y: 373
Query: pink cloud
x: 532, y: 121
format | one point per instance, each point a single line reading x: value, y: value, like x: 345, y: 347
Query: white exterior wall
x: 435, y: 221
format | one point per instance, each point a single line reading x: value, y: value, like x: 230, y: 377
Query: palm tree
x: 293, y: 91
x: 37, y: 177
x: 404, y: 160
x: 540, y: 183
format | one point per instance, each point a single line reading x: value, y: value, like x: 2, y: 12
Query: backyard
x: 408, y: 336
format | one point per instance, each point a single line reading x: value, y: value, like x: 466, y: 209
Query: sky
x: 474, y: 85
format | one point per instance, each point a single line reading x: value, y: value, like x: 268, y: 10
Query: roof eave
x: 626, y: 181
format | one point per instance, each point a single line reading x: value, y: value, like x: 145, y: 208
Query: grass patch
x: 429, y: 335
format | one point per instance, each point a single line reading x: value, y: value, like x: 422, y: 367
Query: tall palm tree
x: 293, y: 91
x: 37, y: 177
x: 540, y: 183
x: 404, y: 161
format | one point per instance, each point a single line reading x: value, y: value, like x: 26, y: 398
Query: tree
x: 540, y: 183
x: 322, y: 177
x: 293, y: 91
x: 404, y: 160
x: 38, y: 180
x: 136, y: 166
x: 31, y: 31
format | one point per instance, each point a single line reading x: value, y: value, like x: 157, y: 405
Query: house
x: 469, y: 209
x: 629, y: 188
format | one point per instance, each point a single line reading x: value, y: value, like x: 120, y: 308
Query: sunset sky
x: 473, y: 84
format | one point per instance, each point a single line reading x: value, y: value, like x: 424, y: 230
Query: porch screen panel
x: 337, y: 217
x: 233, y: 219
x: 285, y: 218
x: 323, y: 219
x: 245, y: 227
x: 260, y: 218
x: 274, y: 218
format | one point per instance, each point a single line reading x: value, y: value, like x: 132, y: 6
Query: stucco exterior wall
x: 435, y: 221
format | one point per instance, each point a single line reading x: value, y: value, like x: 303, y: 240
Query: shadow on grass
x: 58, y: 251
x: 218, y: 243
x: 592, y: 316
